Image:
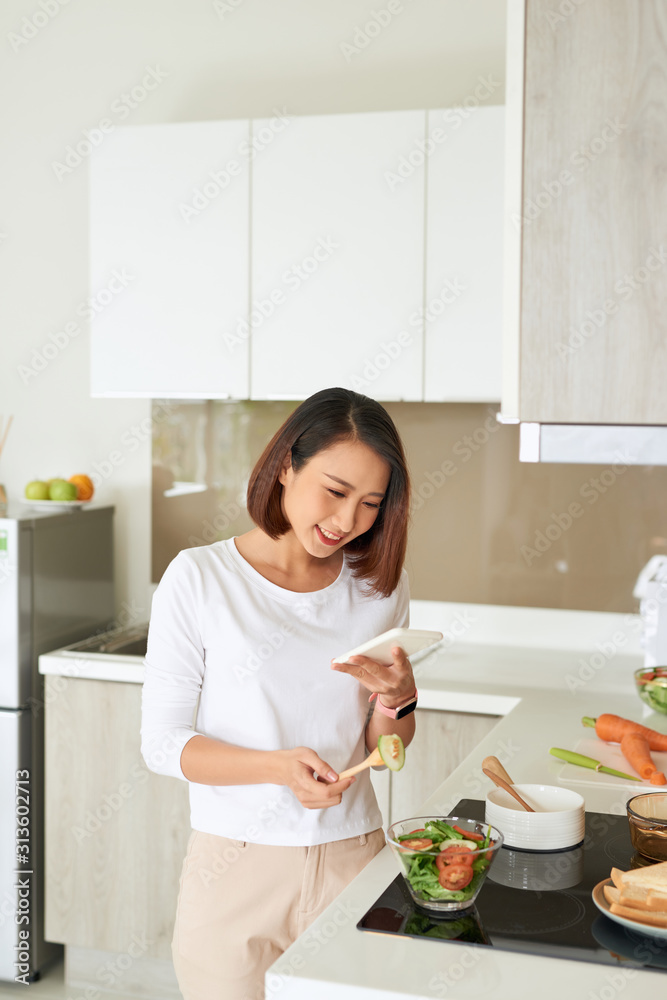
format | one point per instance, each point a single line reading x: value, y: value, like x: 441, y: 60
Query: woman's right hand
x: 297, y: 769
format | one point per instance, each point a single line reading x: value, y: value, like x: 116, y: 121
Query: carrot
x: 635, y: 749
x: 612, y: 728
x: 658, y: 778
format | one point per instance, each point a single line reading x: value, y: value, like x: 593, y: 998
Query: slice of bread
x: 642, y: 889
x: 648, y: 902
x: 611, y: 893
x: 641, y: 916
x: 653, y: 876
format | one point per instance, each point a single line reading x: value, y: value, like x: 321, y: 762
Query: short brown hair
x: 321, y: 421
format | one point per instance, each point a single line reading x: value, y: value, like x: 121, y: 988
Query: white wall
x: 66, y: 66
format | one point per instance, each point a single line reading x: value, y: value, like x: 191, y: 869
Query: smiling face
x: 335, y: 497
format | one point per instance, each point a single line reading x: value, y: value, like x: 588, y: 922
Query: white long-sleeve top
x: 253, y: 660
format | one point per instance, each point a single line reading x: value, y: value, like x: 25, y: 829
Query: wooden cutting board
x: 610, y: 755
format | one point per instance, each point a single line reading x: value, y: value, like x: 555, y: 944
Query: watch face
x: 406, y: 709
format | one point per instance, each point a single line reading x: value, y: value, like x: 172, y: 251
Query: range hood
x: 593, y: 444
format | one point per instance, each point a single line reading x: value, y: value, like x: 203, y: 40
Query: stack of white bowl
x: 557, y: 823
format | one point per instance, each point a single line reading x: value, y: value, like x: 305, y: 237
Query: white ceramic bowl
x: 557, y: 823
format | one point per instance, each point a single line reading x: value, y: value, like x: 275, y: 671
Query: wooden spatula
x: 493, y: 764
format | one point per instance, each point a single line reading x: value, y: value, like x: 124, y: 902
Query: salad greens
x: 423, y: 870
x: 652, y: 688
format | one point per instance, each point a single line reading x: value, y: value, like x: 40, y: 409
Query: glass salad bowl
x: 444, y: 859
x: 651, y: 684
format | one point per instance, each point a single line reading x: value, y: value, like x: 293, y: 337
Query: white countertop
x: 542, y: 694
x: 541, y: 670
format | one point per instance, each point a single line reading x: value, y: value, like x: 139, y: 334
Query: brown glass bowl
x: 647, y: 816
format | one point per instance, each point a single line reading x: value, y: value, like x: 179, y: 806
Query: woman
x: 244, y: 632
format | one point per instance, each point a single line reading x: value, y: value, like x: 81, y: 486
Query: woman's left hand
x: 395, y: 683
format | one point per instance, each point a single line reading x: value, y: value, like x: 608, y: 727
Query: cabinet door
x: 169, y: 261
x: 116, y: 834
x: 337, y: 255
x: 464, y: 257
x: 593, y: 330
x: 442, y: 740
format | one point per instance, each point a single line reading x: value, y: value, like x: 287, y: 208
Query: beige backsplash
x: 485, y: 527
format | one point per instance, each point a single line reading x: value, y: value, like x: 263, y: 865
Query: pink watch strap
x: 391, y: 712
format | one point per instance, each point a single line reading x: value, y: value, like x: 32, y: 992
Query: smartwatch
x: 396, y: 713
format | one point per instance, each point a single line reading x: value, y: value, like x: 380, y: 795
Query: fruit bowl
x: 651, y: 684
x: 444, y: 860
x: 42, y: 504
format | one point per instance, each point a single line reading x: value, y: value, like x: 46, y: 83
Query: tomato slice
x: 417, y: 843
x: 468, y: 835
x: 455, y: 877
x: 420, y: 830
x: 454, y: 855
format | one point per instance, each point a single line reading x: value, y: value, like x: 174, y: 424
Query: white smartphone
x: 411, y: 641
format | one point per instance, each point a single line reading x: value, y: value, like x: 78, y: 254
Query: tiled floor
x: 50, y: 987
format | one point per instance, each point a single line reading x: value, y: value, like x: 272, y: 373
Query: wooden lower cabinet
x: 116, y: 834
x: 442, y: 740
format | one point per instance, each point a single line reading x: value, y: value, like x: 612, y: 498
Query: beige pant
x: 241, y: 905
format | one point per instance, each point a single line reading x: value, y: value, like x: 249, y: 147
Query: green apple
x: 60, y: 489
x: 37, y: 490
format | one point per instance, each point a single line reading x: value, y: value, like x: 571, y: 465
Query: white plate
x: 55, y: 503
x: 632, y: 925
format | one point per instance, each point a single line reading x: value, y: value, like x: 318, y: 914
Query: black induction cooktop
x: 534, y: 902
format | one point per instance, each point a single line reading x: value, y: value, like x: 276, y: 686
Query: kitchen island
x: 542, y: 694
x: 532, y: 672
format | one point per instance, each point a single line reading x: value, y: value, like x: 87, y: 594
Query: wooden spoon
x: 493, y: 764
x: 373, y: 760
x: 501, y: 783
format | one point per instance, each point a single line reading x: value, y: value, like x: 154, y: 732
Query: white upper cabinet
x: 338, y: 256
x: 464, y: 257
x: 169, y: 261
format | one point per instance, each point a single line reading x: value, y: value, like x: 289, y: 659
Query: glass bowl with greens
x: 651, y: 683
x: 444, y: 859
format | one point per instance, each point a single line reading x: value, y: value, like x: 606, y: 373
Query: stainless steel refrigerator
x: 56, y: 587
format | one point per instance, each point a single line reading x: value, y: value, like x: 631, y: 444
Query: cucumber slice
x: 452, y: 842
x: 392, y: 751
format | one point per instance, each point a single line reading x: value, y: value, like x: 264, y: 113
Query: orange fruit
x: 84, y: 486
